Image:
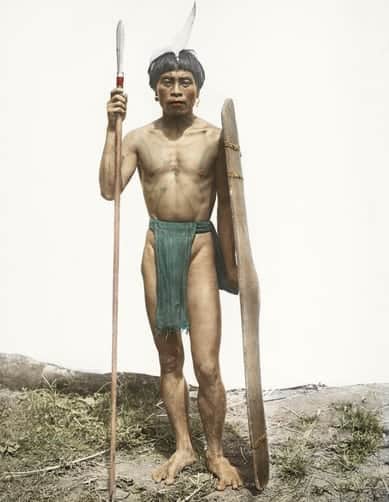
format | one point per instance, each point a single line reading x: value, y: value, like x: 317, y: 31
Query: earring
x: 197, y: 102
x: 156, y: 97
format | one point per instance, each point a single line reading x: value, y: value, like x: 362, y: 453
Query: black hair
x: 168, y: 61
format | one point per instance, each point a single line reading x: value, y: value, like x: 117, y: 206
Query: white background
x: 310, y: 82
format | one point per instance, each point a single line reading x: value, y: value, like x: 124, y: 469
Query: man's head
x: 176, y: 81
x: 167, y: 62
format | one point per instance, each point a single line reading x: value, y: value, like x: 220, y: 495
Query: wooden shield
x: 249, y: 299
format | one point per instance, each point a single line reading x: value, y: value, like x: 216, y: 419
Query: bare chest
x: 191, y: 155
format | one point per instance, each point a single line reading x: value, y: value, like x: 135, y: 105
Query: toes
x: 230, y: 477
x: 236, y: 483
x: 157, y: 477
x: 159, y: 474
x: 221, y: 485
x: 171, y: 474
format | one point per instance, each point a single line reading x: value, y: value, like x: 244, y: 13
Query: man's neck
x: 178, y: 124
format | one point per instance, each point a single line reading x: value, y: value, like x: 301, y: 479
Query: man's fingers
x: 119, y: 97
x: 117, y: 105
x: 116, y: 108
x: 118, y: 93
x: 117, y: 90
x: 117, y: 102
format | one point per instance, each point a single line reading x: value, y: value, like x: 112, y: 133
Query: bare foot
x: 175, y: 464
x: 227, y: 474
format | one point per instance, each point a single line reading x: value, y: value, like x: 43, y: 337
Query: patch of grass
x: 47, y: 488
x: 191, y: 483
x: 44, y: 427
x: 138, y: 424
x: 354, y: 417
x: 364, y: 487
x: 292, y: 457
x: 360, y: 433
x: 305, y: 421
x: 319, y: 489
x: 292, y: 461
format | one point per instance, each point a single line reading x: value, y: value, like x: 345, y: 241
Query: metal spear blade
x: 120, y: 47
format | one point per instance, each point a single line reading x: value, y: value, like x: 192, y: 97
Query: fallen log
x: 18, y: 372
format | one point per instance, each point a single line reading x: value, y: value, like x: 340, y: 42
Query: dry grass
x: 41, y: 428
x: 321, y: 457
x: 359, y: 435
x: 326, y: 453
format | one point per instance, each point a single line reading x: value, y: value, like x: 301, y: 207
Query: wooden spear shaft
x: 115, y: 296
x: 115, y: 302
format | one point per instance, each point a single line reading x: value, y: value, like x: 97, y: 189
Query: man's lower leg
x: 212, y: 407
x: 174, y: 393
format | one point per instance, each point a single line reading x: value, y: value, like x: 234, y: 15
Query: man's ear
x: 156, y: 97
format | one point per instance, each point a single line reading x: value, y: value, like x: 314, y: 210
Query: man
x: 180, y: 160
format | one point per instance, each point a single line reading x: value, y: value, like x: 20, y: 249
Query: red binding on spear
x: 118, y: 156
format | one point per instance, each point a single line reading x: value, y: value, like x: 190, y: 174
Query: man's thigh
x: 169, y: 347
x: 204, y: 302
x: 150, y: 279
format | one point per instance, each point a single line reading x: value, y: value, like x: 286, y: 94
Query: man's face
x: 177, y: 92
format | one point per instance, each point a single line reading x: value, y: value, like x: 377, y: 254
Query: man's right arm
x: 116, y: 105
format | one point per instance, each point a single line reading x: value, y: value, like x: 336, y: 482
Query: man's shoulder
x: 204, y: 124
x: 133, y: 137
x: 139, y: 131
x: 212, y: 131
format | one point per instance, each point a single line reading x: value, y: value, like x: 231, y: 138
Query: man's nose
x: 176, y: 91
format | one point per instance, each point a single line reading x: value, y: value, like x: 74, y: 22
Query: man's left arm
x: 224, y: 218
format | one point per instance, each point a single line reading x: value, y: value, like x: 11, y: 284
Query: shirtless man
x: 180, y: 161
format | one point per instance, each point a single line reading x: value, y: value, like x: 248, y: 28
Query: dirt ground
x: 308, y: 456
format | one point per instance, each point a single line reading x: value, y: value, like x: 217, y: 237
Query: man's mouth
x: 176, y: 103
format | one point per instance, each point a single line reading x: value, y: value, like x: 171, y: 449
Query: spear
x: 118, y: 156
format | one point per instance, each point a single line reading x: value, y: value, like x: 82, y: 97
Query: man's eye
x: 186, y: 83
x: 166, y: 81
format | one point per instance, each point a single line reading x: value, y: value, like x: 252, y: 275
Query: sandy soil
x: 285, y: 409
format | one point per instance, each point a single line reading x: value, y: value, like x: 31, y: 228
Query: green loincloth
x: 173, y: 249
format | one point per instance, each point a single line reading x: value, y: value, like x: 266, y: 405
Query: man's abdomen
x: 180, y: 198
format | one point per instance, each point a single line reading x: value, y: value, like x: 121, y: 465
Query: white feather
x: 181, y: 40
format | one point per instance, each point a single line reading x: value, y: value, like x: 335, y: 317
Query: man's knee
x: 207, y: 372
x: 172, y: 361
